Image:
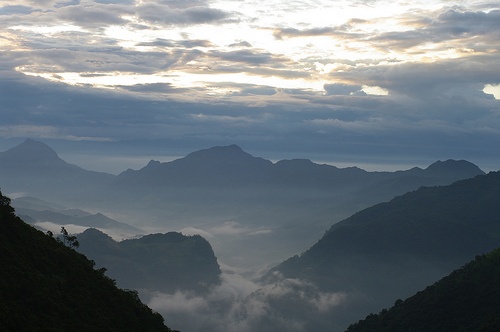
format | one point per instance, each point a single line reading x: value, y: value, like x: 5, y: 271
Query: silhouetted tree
x: 69, y: 240
x: 5, y: 204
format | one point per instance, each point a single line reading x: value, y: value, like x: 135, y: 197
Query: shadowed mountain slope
x: 466, y: 300
x: 35, y: 168
x: 45, y: 285
x: 393, y: 249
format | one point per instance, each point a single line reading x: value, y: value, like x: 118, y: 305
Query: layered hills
x: 48, y: 216
x: 46, y: 285
x: 246, y: 205
x: 157, y: 262
x: 466, y: 300
x: 393, y: 249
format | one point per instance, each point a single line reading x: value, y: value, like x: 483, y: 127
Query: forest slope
x: 393, y: 249
x: 466, y: 300
x: 44, y: 284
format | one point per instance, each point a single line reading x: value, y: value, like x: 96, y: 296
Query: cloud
x: 239, y: 304
x: 344, y: 89
x: 182, y: 73
x: 313, y: 32
x: 90, y: 16
x: 165, y: 14
x: 16, y: 10
x: 232, y: 228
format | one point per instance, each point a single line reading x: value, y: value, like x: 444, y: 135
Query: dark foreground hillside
x: 466, y: 300
x: 47, y: 286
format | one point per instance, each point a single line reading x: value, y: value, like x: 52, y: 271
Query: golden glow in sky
x: 279, y: 44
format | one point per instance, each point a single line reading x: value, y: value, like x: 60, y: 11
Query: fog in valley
x: 250, y: 166
x: 221, y: 240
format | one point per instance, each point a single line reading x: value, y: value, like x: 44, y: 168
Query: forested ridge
x: 44, y: 285
x: 466, y: 300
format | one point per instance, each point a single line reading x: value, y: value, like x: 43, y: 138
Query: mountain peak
x: 219, y: 151
x: 225, y: 155
x: 31, y: 151
x: 454, y: 166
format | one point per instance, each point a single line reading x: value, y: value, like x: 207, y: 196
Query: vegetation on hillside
x: 157, y: 262
x: 47, y: 285
x: 466, y: 300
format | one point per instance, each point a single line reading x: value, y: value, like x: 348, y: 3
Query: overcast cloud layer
x: 364, y: 82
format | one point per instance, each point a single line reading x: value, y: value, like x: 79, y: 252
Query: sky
x: 380, y: 84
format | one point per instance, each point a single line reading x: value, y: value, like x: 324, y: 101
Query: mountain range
x: 393, y: 249
x: 246, y: 205
x: 397, y: 232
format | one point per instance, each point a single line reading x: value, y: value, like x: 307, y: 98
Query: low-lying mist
x: 239, y: 304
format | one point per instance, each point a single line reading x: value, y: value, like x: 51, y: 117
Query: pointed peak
x: 31, y: 150
x: 153, y: 163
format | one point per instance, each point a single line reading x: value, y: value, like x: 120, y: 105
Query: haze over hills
x: 393, y: 249
x: 46, y: 285
x: 157, y: 262
x: 466, y: 300
x: 244, y: 205
x: 49, y: 216
x: 253, y: 212
x: 33, y: 167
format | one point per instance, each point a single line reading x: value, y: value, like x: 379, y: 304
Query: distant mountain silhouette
x: 44, y: 285
x: 32, y: 152
x: 285, y: 206
x: 156, y: 262
x: 217, y: 166
x: 231, y: 166
x: 466, y: 300
x: 392, y: 249
x: 35, y: 168
x: 36, y: 211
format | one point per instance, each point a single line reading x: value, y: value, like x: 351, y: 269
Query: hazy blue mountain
x: 393, y: 249
x: 38, y: 212
x: 248, y: 205
x: 214, y: 167
x: 156, y: 262
x: 293, y: 200
x: 45, y: 285
x: 466, y: 300
x: 35, y: 168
